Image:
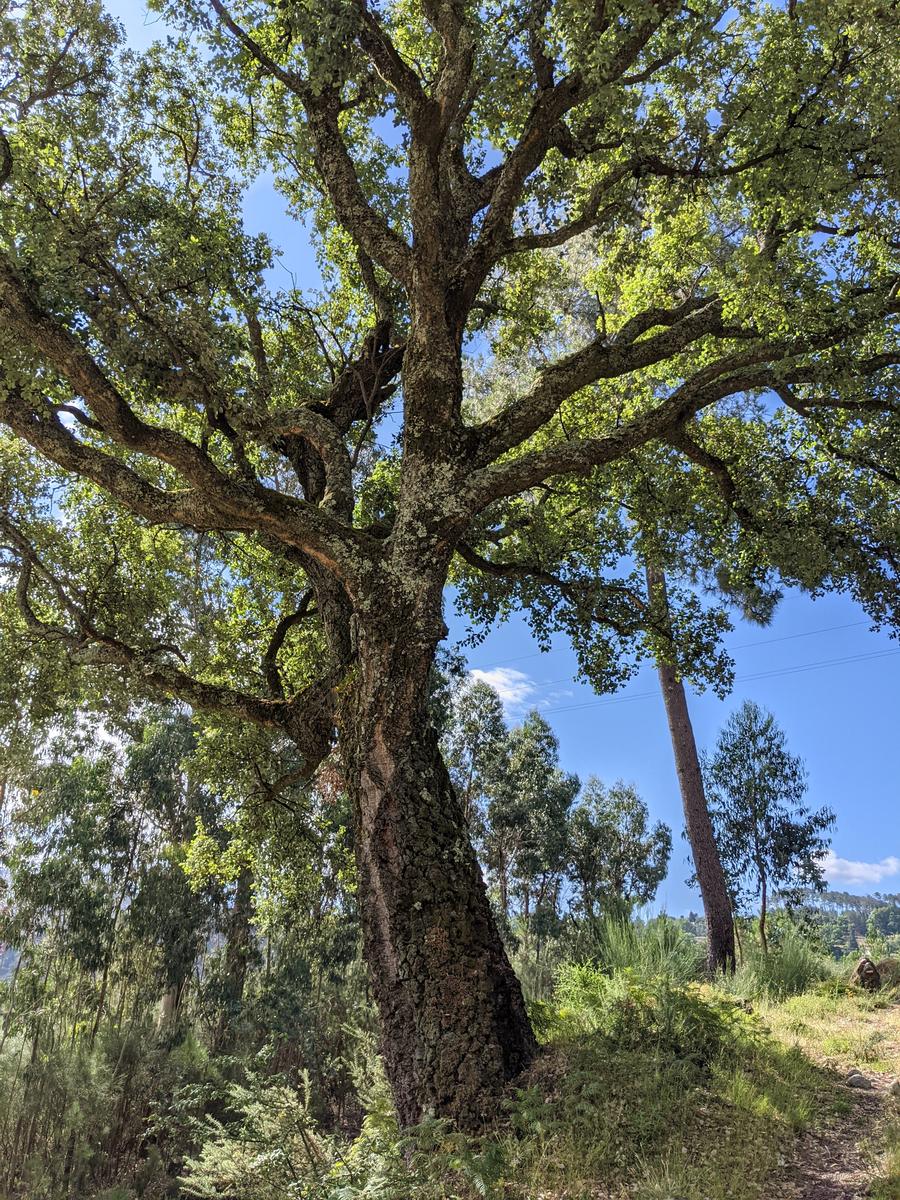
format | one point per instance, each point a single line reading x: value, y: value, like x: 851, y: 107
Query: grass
x: 839, y: 1029
x: 650, y: 1086
x: 657, y: 948
x: 787, y: 970
x: 886, y: 1184
x: 640, y: 1124
x: 650, y: 1089
x: 654, y: 1086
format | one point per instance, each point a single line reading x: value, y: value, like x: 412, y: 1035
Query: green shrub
x: 692, y: 1022
x: 272, y: 1149
x: 791, y: 967
x: 659, y: 948
x: 833, y: 988
x: 545, y: 1019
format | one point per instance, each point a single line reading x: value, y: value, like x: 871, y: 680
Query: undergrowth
x: 650, y: 1084
x: 789, y: 968
x: 659, y: 947
x: 646, y: 1088
x: 886, y: 1185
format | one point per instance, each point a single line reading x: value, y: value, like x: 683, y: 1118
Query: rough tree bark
x: 710, y: 876
x: 453, y: 1023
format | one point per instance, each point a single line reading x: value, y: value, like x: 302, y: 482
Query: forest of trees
x: 172, y: 945
x: 166, y: 940
x: 155, y: 929
x: 603, y: 330
x: 845, y: 921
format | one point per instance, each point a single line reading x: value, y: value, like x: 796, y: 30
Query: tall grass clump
x: 687, y: 1022
x: 658, y: 949
x: 789, y: 968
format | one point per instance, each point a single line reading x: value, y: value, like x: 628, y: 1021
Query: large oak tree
x: 197, y: 497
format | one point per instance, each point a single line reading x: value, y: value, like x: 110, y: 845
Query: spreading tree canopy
x: 249, y: 497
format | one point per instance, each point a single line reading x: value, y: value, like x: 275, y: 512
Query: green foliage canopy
x: 767, y: 836
x: 191, y: 452
x: 617, y: 860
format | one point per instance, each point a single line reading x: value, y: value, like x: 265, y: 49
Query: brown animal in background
x: 867, y: 975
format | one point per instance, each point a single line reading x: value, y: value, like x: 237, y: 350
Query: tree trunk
x: 504, y: 887
x: 762, y: 918
x: 113, y: 929
x: 238, y: 948
x: 101, y: 998
x: 170, y: 1005
x: 710, y: 876
x: 454, y: 1028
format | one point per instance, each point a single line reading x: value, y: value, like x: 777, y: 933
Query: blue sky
x: 842, y: 717
x: 832, y: 683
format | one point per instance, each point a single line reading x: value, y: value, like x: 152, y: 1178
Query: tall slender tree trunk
x: 113, y: 930
x: 504, y: 886
x: 238, y: 947
x: 707, y: 864
x: 453, y: 1021
x: 762, y: 916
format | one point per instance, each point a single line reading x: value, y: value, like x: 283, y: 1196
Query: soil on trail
x: 835, y: 1163
x: 838, y: 1161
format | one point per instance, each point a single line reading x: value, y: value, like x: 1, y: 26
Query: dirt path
x: 835, y: 1163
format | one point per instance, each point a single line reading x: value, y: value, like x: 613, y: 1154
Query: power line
x: 802, y: 668
x: 815, y: 666
x: 788, y: 637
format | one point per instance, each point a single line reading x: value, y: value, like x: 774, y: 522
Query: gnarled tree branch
x: 307, y: 717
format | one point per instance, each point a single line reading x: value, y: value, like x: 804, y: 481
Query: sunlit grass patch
x: 836, y: 1046
x: 886, y: 1184
x: 766, y: 1096
x: 844, y: 1030
x: 649, y: 1089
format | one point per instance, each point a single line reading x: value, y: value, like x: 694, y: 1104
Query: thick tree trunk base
x: 453, y: 1019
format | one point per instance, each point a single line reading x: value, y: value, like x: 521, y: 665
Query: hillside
x: 647, y: 1089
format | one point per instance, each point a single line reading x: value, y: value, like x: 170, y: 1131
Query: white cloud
x: 845, y: 870
x: 513, y: 687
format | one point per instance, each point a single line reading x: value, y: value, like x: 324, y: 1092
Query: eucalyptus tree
x: 525, y: 845
x: 195, y: 498
x: 768, y: 839
x: 617, y: 860
x: 476, y: 747
x: 516, y: 801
